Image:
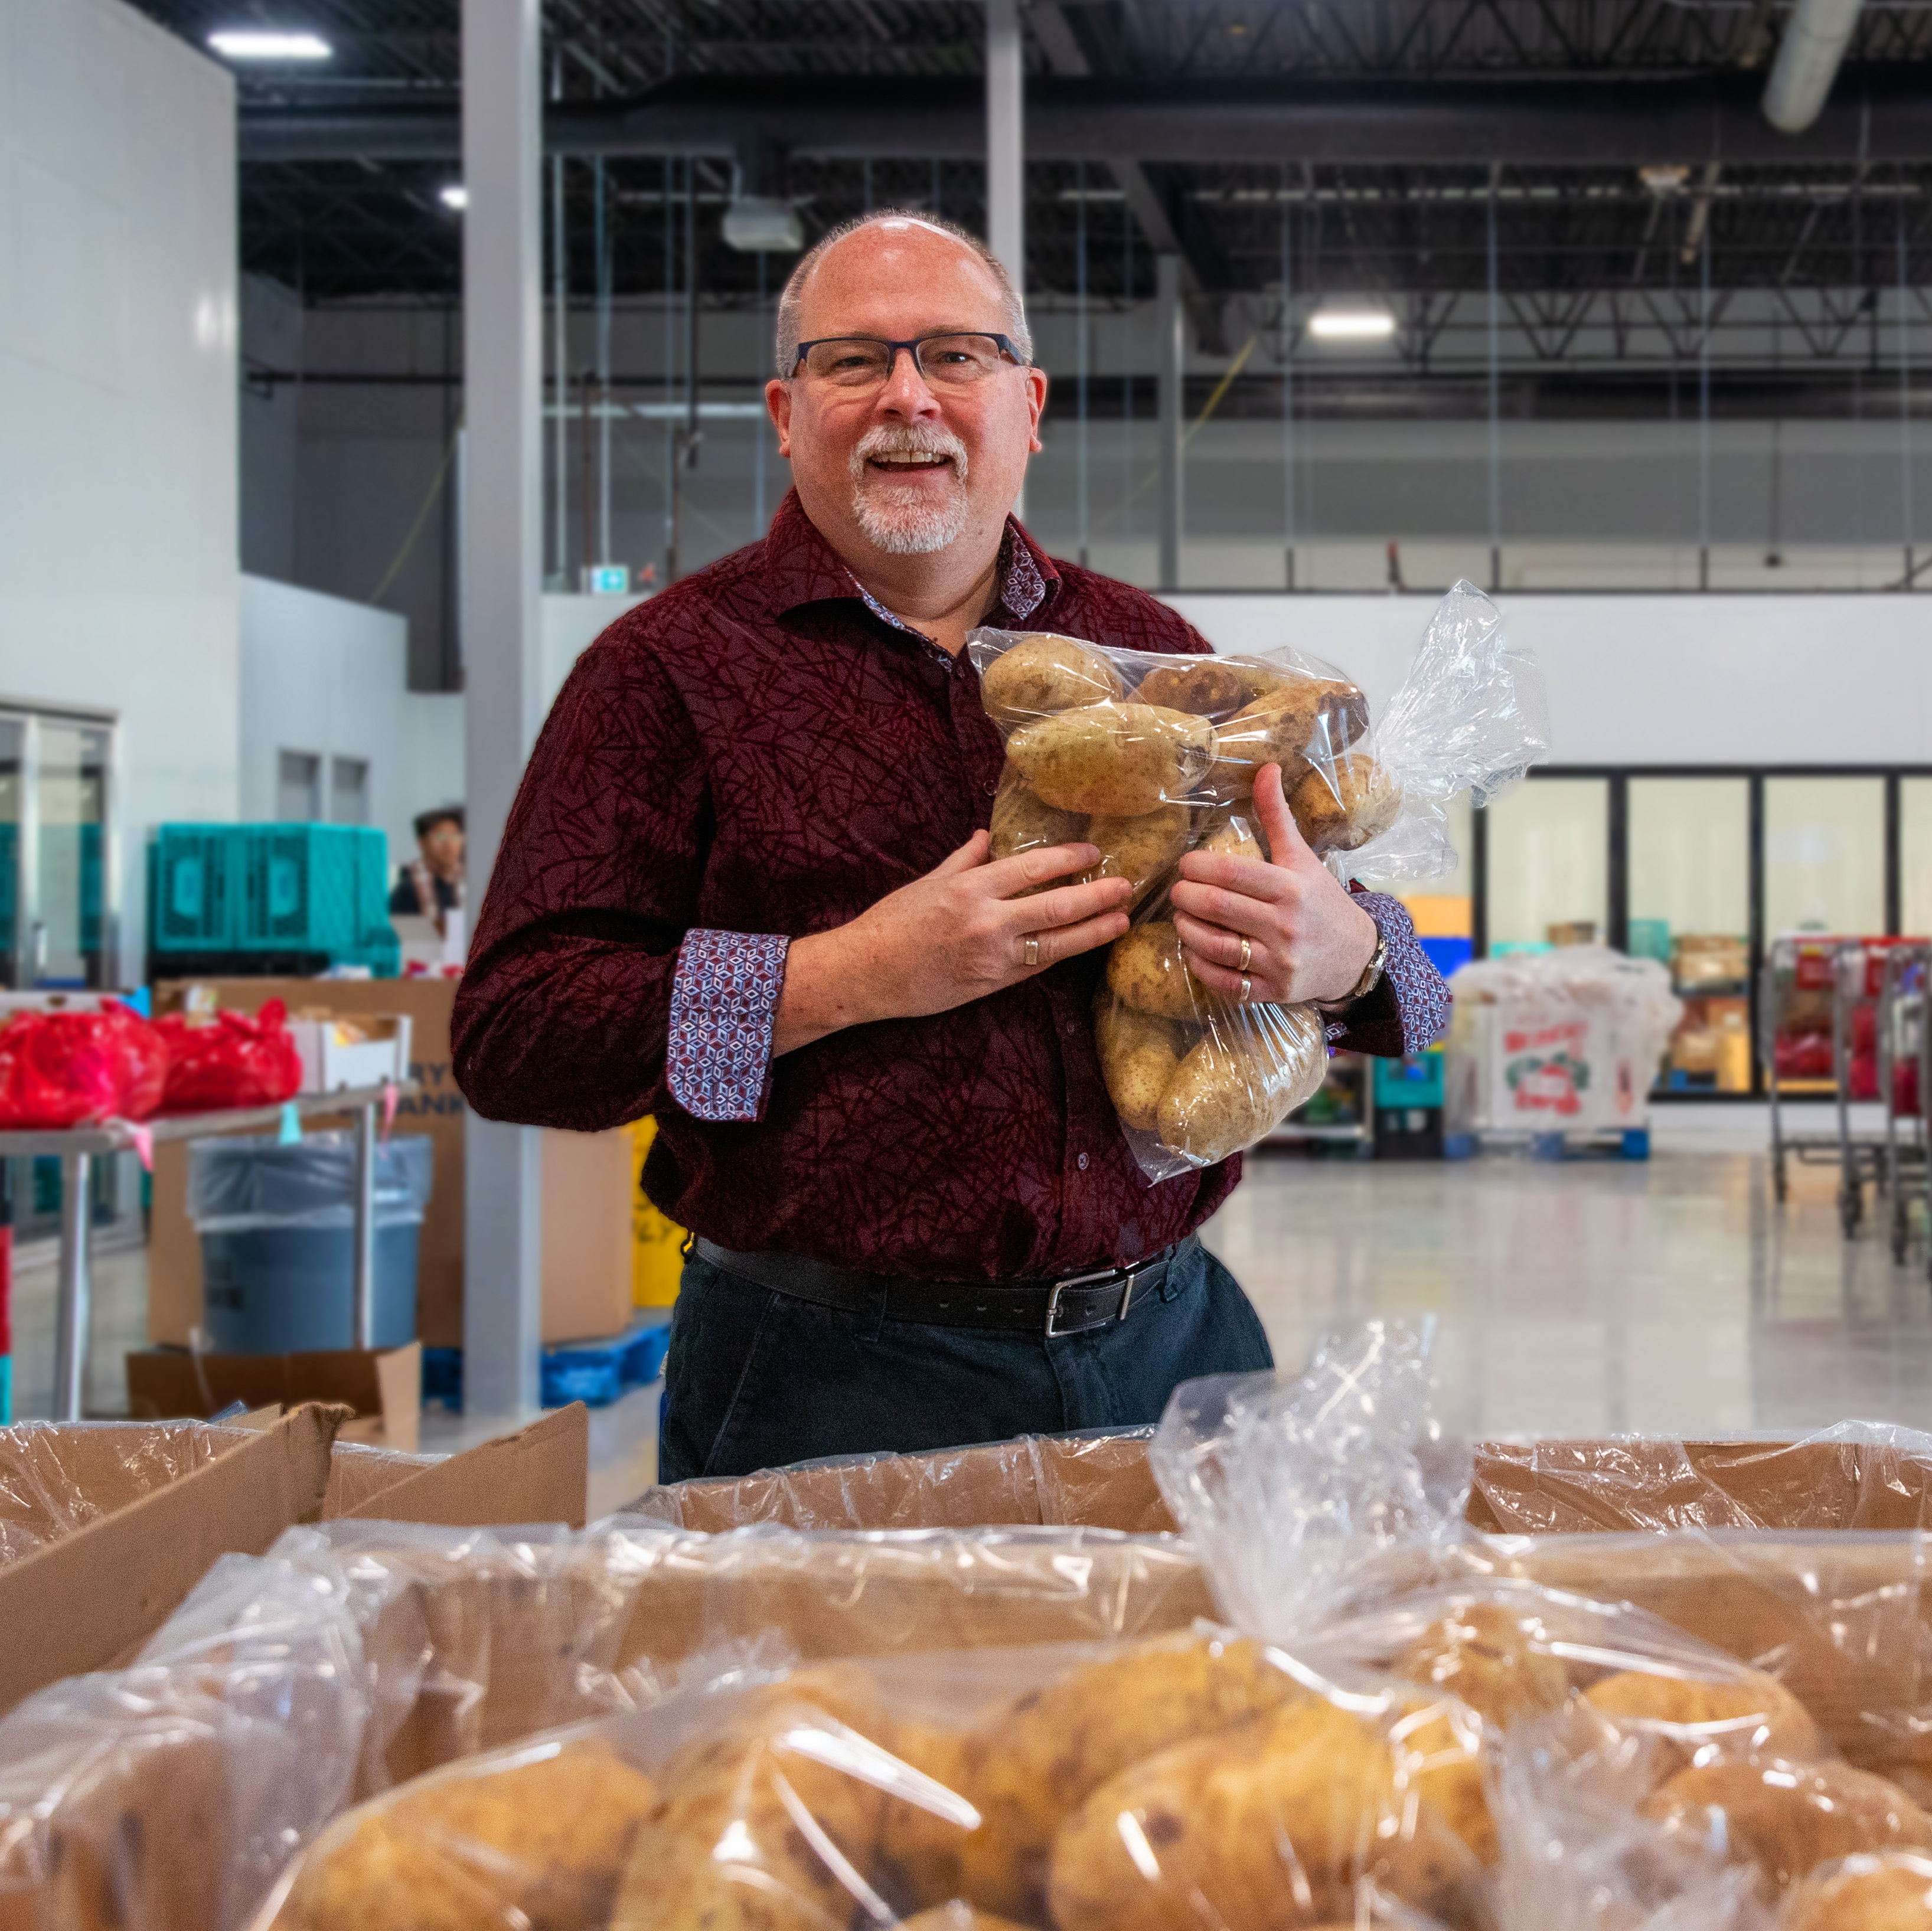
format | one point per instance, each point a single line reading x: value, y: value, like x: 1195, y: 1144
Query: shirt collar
x: 803, y: 568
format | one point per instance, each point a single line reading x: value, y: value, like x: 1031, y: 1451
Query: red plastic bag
x: 230, y: 1061
x: 62, y: 1069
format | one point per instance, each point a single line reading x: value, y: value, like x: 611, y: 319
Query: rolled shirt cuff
x: 724, y: 1000
x: 1410, y: 985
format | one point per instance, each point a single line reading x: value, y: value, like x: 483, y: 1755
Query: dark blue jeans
x: 756, y: 1379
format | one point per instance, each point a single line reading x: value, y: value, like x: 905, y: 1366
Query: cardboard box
x: 587, y: 1180
x: 341, y: 1052
x: 383, y: 1391
x: 104, y: 1528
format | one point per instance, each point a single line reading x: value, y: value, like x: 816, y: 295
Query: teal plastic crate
x: 191, y: 898
x: 1416, y: 1080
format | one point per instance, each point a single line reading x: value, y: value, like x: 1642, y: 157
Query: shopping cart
x: 1904, y: 1072
x: 1819, y: 1020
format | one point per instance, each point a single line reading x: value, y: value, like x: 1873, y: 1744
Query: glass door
x: 1824, y: 855
x: 1546, y: 862
x: 12, y: 748
x: 69, y: 783
x: 1688, y: 891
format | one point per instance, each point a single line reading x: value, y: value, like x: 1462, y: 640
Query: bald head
x: 895, y: 248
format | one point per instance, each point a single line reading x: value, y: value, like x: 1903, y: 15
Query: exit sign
x: 606, y: 580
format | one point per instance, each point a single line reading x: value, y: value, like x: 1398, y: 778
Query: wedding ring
x: 1247, y: 953
x: 1032, y: 952
x: 1247, y: 987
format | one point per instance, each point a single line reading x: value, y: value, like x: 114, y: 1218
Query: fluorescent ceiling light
x: 255, y: 43
x: 1351, y: 324
x: 455, y: 195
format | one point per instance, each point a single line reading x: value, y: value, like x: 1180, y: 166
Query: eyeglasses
x: 945, y: 361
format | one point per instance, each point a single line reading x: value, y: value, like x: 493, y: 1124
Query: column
x: 503, y: 553
x: 1173, y: 351
x: 1006, y: 149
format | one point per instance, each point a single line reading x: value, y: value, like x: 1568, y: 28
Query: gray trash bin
x: 277, y: 1228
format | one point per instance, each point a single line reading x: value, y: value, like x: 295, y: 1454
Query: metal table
x: 77, y: 1150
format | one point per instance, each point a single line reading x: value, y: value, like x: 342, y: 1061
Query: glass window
x: 71, y: 794
x: 1549, y: 864
x: 1915, y: 856
x: 348, y: 791
x: 1824, y: 855
x: 1441, y: 907
x: 1689, y: 898
x: 298, y: 787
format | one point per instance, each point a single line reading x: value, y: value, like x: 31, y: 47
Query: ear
x: 1036, y: 405
x: 778, y: 402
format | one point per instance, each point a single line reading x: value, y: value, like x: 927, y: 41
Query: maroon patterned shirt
x: 760, y: 753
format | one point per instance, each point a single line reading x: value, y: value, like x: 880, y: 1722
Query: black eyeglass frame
x: 911, y: 346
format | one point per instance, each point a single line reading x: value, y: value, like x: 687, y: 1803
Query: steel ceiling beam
x: 1581, y: 122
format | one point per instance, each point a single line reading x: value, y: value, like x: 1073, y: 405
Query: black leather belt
x: 1049, y: 1308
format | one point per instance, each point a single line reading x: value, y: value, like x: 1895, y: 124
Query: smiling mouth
x: 899, y: 465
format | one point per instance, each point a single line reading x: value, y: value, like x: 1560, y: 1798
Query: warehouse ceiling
x: 1364, y: 147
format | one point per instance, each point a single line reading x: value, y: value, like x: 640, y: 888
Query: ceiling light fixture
x: 1351, y: 325
x: 254, y: 44
x: 454, y: 196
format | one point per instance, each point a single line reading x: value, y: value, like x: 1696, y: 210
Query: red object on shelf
x: 232, y: 1060
x: 63, y: 1070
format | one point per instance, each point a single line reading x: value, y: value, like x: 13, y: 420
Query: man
x: 745, y: 889
x: 431, y: 885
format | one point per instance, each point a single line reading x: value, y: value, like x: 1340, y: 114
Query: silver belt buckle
x: 1130, y: 1280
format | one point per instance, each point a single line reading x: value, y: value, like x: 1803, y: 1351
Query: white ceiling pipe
x: 1815, y: 36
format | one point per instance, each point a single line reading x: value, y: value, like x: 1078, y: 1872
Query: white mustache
x: 893, y: 438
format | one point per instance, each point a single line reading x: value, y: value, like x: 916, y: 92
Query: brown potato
x: 724, y: 1851
x: 1144, y: 969
x: 1885, y: 1892
x: 1029, y: 1766
x: 1786, y: 1819
x: 1139, y: 1056
x: 1119, y: 760
x: 1022, y: 822
x: 1340, y: 807
x: 1199, y: 685
x: 1231, y: 1090
x: 1751, y: 1713
x: 1234, y: 834
x: 541, y: 1843
x: 1267, y: 1826
x: 956, y: 1916
x: 1045, y: 675
x: 1139, y: 850
x: 1484, y: 1656
x: 1305, y: 715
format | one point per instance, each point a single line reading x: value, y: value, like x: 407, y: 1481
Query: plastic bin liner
x: 1149, y: 756
x: 236, y: 1186
x: 65, y: 1069
x: 230, y: 1059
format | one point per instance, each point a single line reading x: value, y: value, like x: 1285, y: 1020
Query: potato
x: 1144, y: 970
x: 1119, y: 760
x: 1022, y: 822
x: 1887, y: 1893
x: 1199, y: 685
x: 1030, y: 1765
x: 1234, y: 833
x: 957, y: 1916
x: 542, y: 1844
x: 1139, y: 850
x: 1045, y: 675
x: 1305, y: 715
x: 1482, y: 1656
x: 1269, y: 1825
x: 1139, y: 1056
x: 1232, y: 1090
x: 1787, y: 1821
x: 1751, y: 1713
x: 1340, y: 807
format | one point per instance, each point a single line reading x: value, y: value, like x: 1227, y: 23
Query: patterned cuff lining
x: 724, y: 998
x: 1421, y: 998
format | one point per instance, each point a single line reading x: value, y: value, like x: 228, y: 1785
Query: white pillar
x: 1006, y: 148
x: 502, y: 565
x: 1172, y: 351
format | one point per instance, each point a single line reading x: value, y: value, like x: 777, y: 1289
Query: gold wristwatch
x: 1371, y: 978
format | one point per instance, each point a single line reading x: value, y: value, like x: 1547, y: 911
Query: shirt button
x: 1082, y: 1163
x: 991, y: 788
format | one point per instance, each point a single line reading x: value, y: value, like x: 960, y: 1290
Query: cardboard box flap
x: 384, y: 1390
x: 57, y: 1478
x: 89, y: 1597
x: 540, y: 1474
x: 360, y: 1471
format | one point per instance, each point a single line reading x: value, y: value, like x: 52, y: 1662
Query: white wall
x: 117, y: 579
x: 328, y: 677
x: 571, y: 625
x: 1711, y: 679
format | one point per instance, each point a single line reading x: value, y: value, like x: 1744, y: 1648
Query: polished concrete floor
x: 1579, y: 1297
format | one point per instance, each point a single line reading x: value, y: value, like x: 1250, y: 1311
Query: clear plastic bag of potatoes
x: 1148, y: 756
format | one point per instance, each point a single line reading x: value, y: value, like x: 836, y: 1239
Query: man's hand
x: 1307, y: 939
x: 954, y: 936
